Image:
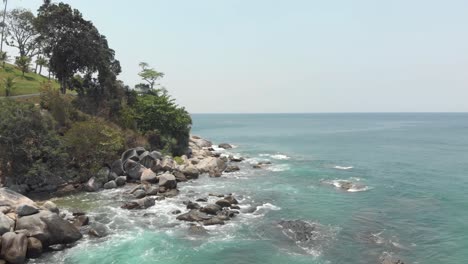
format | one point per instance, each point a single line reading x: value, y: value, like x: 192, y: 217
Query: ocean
x: 406, y: 196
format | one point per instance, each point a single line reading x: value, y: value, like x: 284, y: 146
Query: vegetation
x: 74, y: 136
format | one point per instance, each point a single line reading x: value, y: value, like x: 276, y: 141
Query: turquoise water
x: 412, y: 200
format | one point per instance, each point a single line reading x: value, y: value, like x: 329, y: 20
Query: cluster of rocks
x: 205, y: 213
x: 27, y: 229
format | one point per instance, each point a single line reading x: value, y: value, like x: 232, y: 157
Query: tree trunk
x: 35, y: 71
x: 40, y: 69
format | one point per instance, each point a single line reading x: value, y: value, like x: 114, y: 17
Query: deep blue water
x: 410, y: 173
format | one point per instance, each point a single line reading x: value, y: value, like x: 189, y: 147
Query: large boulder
x: 117, y: 167
x: 110, y: 185
x: 190, y: 171
x: 231, y: 168
x: 103, y: 174
x: 168, y: 181
x: 212, y: 209
x: 51, y: 206
x: 196, y: 230
x: 26, y: 209
x: 34, y: 248
x: 93, y: 185
x: 168, y: 164
x: 223, y: 203
x: 14, y: 247
x: 150, y: 159
x: 225, y: 146
x: 121, y: 180
x: 193, y: 216
x: 49, y: 228
x: 13, y: 199
x: 213, y: 221
x: 129, y: 154
x: 148, y: 176
x: 211, y: 164
x: 134, y: 169
x: 140, y: 203
x: 200, y: 142
x: 6, y: 224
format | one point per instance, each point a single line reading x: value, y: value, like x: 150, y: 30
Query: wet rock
x: 112, y: 176
x: 142, y: 203
x: 168, y: 164
x: 14, y: 247
x: 215, y: 173
x: 66, y: 190
x: 26, y: 209
x: 151, y: 190
x: 77, y: 212
x: 148, y: 176
x: 134, y: 169
x: 223, y: 203
x: 192, y: 205
x: 202, y: 200
x: 190, y: 171
x: 98, y: 230
x: 211, y: 164
x: 180, y: 177
x: 196, y: 230
x: 49, y: 228
x: 212, y: 209
x: 225, y: 146
x: 170, y: 193
x: 300, y: 231
x: 34, y: 248
x: 168, y: 181
x: 139, y: 194
x: 232, y: 168
x: 51, y: 206
x: 231, y: 199
x: 235, y: 207
x: 176, y: 212
x: 117, y: 167
x: 193, y: 216
x: 121, y: 180
x: 93, y: 185
x: 213, y: 221
x: 110, y: 185
x: 236, y: 159
x: 216, y: 194
x: 81, y: 220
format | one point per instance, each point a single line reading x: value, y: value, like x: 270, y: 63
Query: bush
x: 93, y: 143
x: 160, y: 115
x: 30, y: 151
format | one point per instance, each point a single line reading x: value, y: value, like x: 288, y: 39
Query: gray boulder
x: 6, y: 224
x: 190, y: 171
x: 134, y: 169
x: 51, y: 206
x: 26, y: 209
x: 193, y: 216
x: 14, y: 247
x: 232, y: 168
x: 223, y: 203
x: 213, y: 221
x: 196, y: 230
x: 93, y: 185
x: 110, y: 185
x: 212, y: 209
x: 139, y: 204
x: 103, y: 174
x: 49, y: 228
x: 180, y: 177
x: 167, y: 181
x: 148, y: 176
x: 139, y: 194
x: 13, y: 199
x: 200, y: 142
x: 168, y: 164
x: 34, y: 248
x: 117, y: 167
x: 112, y: 176
x: 225, y: 146
x: 211, y: 164
x: 121, y: 180
x: 129, y: 154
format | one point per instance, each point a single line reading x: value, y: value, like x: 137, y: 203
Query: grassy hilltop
x: 29, y: 84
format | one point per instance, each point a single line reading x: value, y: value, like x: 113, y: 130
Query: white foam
x: 342, y: 185
x: 269, y: 206
x: 343, y: 167
x: 279, y: 167
x: 276, y: 156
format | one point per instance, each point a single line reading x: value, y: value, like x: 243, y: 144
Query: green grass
x: 29, y: 84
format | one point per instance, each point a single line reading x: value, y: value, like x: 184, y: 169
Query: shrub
x: 178, y: 160
x: 92, y: 144
x: 30, y: 151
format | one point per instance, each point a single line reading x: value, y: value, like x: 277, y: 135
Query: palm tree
x: 42, y: 62
x: 3, y: 24
x: 9, y: 83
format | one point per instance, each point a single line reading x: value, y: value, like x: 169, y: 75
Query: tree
x: 23, y: 62
x: 9, y: 84
x: 149, y: 75
x: 4, y: 58
x: 41, y: 61
x: 3, y: 24
x: 20, y: 32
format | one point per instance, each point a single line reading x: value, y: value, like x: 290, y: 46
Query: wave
x: 278, y: 168
x: 276, y: 156
x: 348, y: 186
x: 343, y: 167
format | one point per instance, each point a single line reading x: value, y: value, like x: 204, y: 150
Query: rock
x: 121, y: 180
x: 196, y: 230
x: 225, y: 146
x: 117, y: 167
x: 211, y: 164
x: 180, y: 177
x: 213, y: 221
x: 236, y: 159
x: 5, y: 209
x: 200, y: 142
x: 148, y: 176
x: 168, y: 181
x: 19, y: 188
x: 235, y: 207
x: 175, y: 212
x: 112, y: 176
x: 14, y: 247
x: 6, y: 224
x: 212, y: 209
x: 110, y: 185
x: 169, y: 193
x: 231, y: 199
x: 202, y: 200
x: 215, y: 173
x: 216, y: 195
x: 223, y: 203
x: 26, y: 209
x: 13, y: 199
x: 134, y: 169
x: 190, y: 171
x: 81, y: 220
x: 151, y: 190
x: 300, y: 231
x: 139, y: 194
x: 49, y: 228
x: 103, y: 175
x: 232, y: 168
x: 139, y: 204
x: 192, y: 205
x: 51, y: 206
x: 256, y: 166
x: 34, y: 248
x: 98, y: 230
x: 168, y: 164
x: 66, y: 190
x: 193, y: 216
x: 127, y: 155
x: 156, y: 155
x: 92, y: 185
x: 149, y: 160
x: 387, y: 258
x: 140, y: 150
x: 77, y: 212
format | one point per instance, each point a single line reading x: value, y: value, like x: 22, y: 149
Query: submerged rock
x: 212, y: 209
x: 193, y: 216
x: 213, y: 221
x: 225, y: 146
x: 197, y: 230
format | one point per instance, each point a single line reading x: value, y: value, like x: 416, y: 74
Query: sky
x: 287, y: 56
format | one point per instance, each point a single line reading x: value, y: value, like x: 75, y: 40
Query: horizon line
x: 293, y: 113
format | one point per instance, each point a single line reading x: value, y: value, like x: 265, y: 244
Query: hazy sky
x: 294, y: 55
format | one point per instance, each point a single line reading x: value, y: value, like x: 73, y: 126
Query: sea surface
x: 409, y: 195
